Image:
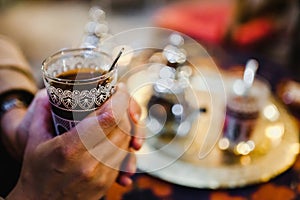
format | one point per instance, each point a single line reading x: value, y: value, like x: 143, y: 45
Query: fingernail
x: 127, y: 181
x: 137, y: 144
x: 141, y: 141
x: 121, y: 86
x: 136, y: 117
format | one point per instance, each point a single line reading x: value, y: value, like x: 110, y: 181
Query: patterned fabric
x: 285, y: 186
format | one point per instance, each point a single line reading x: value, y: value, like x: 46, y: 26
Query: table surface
x: 285, y: 186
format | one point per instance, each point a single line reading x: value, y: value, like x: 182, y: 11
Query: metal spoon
x: 249, y: 74
x: 116, y: 60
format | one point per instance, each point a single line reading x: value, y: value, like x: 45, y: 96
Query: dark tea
x: 85, y: 74
x: 80, y: 92
x: 80, y: 74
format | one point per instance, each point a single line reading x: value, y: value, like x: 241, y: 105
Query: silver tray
x: 196, y: 160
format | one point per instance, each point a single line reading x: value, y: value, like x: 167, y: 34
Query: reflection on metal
x: 271, y: 112
x: 275, y: 131
x: 275, y: 150
x: 244, y: 148
x: 224, y: 143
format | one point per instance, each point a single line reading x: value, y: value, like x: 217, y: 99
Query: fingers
x: 129, y: 164
x: 137, y: 139
x: 112, y: 111
x: 124, y: 180
x: 37, y: 119
x: 104, y: 133
x: 108, y: 117
x: 99, y: 124
x: 128, y: 169
x: 138, y: 134
x: 114, y: 148
x: 134, y: 110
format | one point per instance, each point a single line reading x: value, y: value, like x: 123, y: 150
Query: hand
x: 79, y: 164
x: 13, y: 142
x: 129, y: 165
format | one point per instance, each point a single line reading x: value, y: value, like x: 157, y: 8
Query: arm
x: 17, y: 87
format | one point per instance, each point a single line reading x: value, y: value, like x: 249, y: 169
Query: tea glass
x: 78, y: 81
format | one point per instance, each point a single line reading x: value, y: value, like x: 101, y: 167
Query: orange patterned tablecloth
x: 284, y: 187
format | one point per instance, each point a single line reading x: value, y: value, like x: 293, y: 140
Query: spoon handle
x: 249, y: 73
x: 116, y: 60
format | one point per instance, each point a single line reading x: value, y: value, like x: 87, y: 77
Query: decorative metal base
x: 200, y: 160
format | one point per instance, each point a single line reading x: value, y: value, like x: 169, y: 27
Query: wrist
x: 14, y: 99
x: 18, y: 193
x: 13, y: 107
x: 10, y: 139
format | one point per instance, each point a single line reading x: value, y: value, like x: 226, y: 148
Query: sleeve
x: 15, y: 72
